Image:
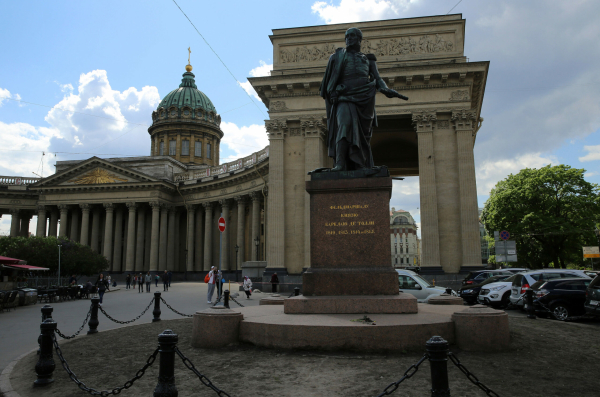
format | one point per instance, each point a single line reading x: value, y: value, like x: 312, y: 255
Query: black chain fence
x: 173, y: 310
x: 409, y: 373
x: 80, y: 328
x: 471, y: 376
x: 103, y: 393
x: 205, y: 381
x: 233, y: 299
x: 126, y: 322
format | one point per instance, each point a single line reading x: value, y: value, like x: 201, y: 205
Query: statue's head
x: 353, y: 37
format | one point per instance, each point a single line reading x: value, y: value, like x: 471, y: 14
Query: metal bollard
x: 437, y: 349
x: 45, y: 365
x: 529, y: 300
x: 94, y: 317
x: 46, y: 313
x: 449, y: 291
x: 156, y: 311
x: 296, y: 291
x: 226, y: 298
x: 167, y: 341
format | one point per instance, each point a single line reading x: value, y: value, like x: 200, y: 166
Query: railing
x: 239, y: 164
x: 17, y: 180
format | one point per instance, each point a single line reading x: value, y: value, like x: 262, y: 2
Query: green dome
x: 187, y: 94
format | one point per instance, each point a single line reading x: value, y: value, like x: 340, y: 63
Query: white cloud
x: 593, y: 154
x: 490, y: 172
x: 244, y: 140
x: 360, y: 10
x: 260, y: 71
x: 590, y: 174
x: 20, y: 141
x: 5, y: 96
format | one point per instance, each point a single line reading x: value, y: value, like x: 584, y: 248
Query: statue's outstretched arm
x: 379, y: 83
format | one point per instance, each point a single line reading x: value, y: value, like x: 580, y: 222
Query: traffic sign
x: 221, y: 224
x: 591, y: 252
x: 504, y: 235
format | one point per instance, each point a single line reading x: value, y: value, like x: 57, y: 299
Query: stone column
x: 108, y: 232
x: 118, y: 250
x: 162, y: 253
x: 85, y: 224
x: 41, y: 223
x: 95, y: 228
x: 255, y: 196
x: 64, y: 214
x: 208, y: 214
x: 154, y: 236
x: 241, y: 226
x: 430, y: 236
x: 464, y: 123
x: 53, y: 225
x: 139, y: 244
x: 171, y: 239
x: 14, y: 222
x: 199, y: 240
x: 130, y: 255
x: 276, y: 225
x: 191, y: 217
x: 225, y: 265
x: 25, y: 219
x: 74, y: 233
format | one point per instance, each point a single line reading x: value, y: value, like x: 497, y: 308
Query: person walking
x: 165, y: 280
x: 148, y: 281
x: 128, y: 281
x: 274, y: 282
x: 108, y: 280
x: 247, y: 286
x: 101, y: 285
x: 213, y: 276
x: 156, y: 278
x: 170, y: 276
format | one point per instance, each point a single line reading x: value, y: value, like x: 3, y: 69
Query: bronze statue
x: 349, y: 86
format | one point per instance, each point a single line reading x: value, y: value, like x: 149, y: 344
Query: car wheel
x: 505, y: 300
x: 561, y: 312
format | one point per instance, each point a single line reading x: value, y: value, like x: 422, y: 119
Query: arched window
x: 185, y: 147
x: 172, y: 146
x: 208, y: 151
x: 401, y: 220
x: 198, y: 149
x: 161, y: 151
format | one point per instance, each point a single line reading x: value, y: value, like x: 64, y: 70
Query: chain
x: 126, y: 322
x: 205, y: 381
x: 218, y: 300
x: 173, y: 310
x: 103, y: 393
x: 233, y: 299
x: 79, y: 330
x: 470, y: 376
x: 408, y: 374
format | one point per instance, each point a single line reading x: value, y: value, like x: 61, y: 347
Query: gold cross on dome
x: 189, y: 53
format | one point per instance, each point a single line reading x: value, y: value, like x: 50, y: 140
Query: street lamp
x: 59, y: 265
x: 237, y: 248
x: 256, y: 242
x: 597, y: 231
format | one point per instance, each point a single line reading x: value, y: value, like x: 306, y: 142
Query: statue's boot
x: 341, y: 153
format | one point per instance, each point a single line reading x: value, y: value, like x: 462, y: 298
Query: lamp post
x: 58, y: 265
x: 396, y: 253
x: 237, y: 248
x: 256, y: 243
x: 597, y: 231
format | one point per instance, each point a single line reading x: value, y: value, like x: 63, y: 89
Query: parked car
x: 496, y: 293
x: 412, y: 283
x: 470, y: 293
x: 592, y: 302
x: 515, y: 270
x: 478, y: 276
x: 564, y: 297
x: 525, y: 280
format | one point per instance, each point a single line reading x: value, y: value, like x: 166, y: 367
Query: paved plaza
x: 19, y: 329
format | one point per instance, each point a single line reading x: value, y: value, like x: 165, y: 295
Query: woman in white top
x: 247, y: 287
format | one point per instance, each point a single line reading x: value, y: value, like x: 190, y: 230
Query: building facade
x: 403, y: 239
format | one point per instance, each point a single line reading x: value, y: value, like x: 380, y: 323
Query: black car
x: 592, y: 301
x: 478, y: 276
x: 564, y: 297
x: 469, y: 293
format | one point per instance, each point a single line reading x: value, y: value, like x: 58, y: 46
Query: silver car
x: 523, y: 281
x: 412, y: 283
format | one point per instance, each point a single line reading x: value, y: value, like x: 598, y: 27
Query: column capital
x: 109, y: 206
x: 41, y: 208
x: 190, y: 207
x: 84, y: 207
x: 255, y: 196
x: 208, y: 205
x: 424, y: 121
x: 63, y: 207
x: 464, y: 119
x: 170, y: 208
x: 132, y: 206
x: 155, y: 205
x: 240, y: 199
x: 225, y: 203
x: 14, y: 210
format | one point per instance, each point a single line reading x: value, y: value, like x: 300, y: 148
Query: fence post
x: 46, y: 313
x: 45, y: 365
x: 437, y: 349
x: 530, y: 308
x: 296, y: 291
x: 167, y: 341
x: 449, y: 291
x: 94, y: 317
x: 156, y: 311
x: 226, y: 298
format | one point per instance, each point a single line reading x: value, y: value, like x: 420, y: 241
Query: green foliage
x: 43, y: 252
x: 551, y: 212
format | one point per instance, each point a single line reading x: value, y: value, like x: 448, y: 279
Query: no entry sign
x: 221, y: 224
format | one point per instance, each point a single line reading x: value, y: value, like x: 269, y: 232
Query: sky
x: 82, y: 78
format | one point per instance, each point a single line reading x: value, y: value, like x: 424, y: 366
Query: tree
x: 551, y: 212
x: 43, y: 252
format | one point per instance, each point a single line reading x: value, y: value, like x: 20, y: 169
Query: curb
x: 6, y: 389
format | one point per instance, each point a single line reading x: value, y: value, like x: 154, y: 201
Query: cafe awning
x: 25, y: 267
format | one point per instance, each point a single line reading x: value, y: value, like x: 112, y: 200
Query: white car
x: 412, y: 283
x: 523, y: 281
x: 496, y: 294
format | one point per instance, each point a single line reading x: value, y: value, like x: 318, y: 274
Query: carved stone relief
x: 443, y: 124
x: 277, y: 106
x: 459, y: 95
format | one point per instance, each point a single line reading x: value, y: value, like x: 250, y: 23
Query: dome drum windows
x: 198, y: 149
x: 187, y: 113
x: 173, y: 112
x: 172, y: 147
x: 161, y: 150
x: 185, y: 147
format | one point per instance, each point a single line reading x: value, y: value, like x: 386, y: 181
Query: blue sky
x: 115, y: 60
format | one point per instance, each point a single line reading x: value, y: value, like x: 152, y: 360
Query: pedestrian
x: 274, y: 282
x: 212, y: 279
x: 156, y: 278
x: 170, y: 276
x: 72, y: 280
x: 140, y: 283
x: 220, y: 282
x: 101, y: 285
x: 108, y: 279
x: 128, y: 281
x: 165, y: 280
x: 247, y: 286
x: 148, y: 281
x: 135, y: 280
